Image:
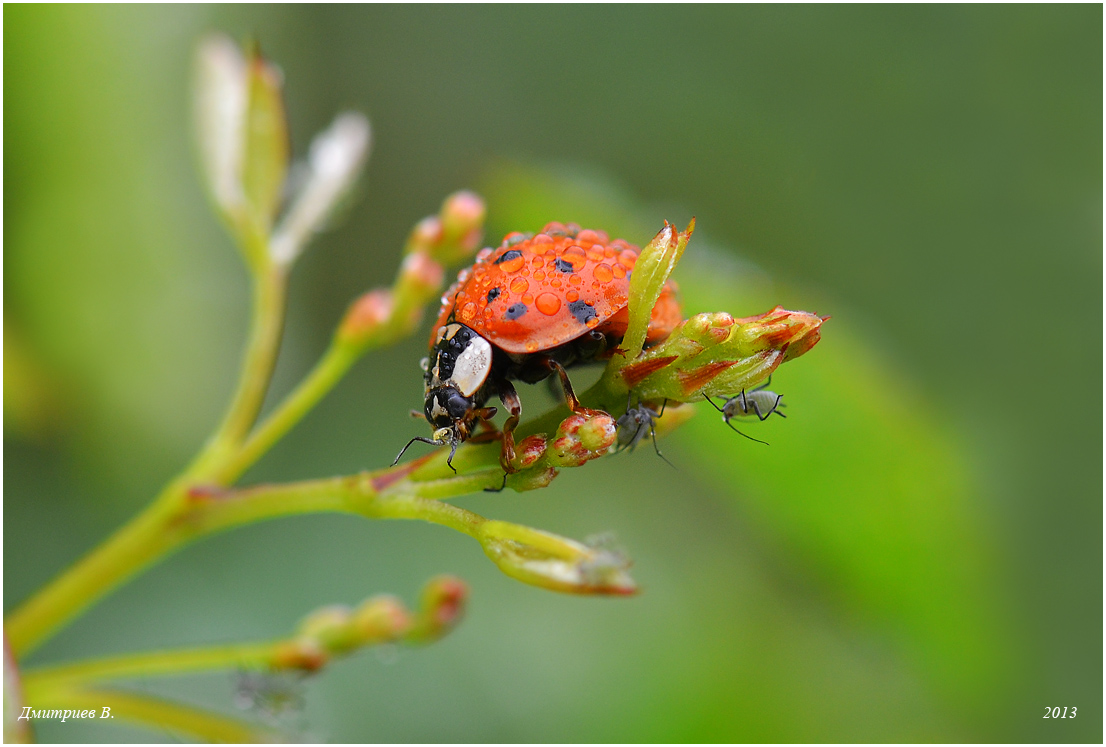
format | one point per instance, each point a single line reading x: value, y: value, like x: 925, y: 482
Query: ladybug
x: 531, y: 308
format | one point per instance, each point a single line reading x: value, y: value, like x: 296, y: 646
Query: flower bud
x: 581, y: 438
x: 441, y: 607
x: 365, y: 317
x: 462, y: 217
x: 715, y: 354
x: 381, y: 619
x: 598, y: 434
x: 331, y: 627
x: 528, y: 451
x: 552, y: 562
x: 420, y: 276
x: 454, y: 233
x: 425, y: 235
x: 305, y: 654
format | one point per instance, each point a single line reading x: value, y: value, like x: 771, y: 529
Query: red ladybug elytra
x: 524, y: 311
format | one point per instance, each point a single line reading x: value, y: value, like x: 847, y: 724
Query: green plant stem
x: 179, y: 516
x: 150, y: 535
x: 153, y: 664
x: 152, y: 712
x: 330, y: 369
x: 266, y: 329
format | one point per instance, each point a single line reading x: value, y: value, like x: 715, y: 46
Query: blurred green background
x: 917, y: 557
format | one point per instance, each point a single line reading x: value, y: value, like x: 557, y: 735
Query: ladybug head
x: 456, y: 372
x: 459, y: 365
x: 447, y: 409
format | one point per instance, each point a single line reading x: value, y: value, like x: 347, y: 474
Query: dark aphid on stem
x: 638, y: 422
x: 760, y: 402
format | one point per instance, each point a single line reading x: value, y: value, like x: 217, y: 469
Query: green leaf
x: 265, y: 165
x: 657, y: 261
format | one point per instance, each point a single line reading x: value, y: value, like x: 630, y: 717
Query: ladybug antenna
x: 408, y: 446
x: 432, y: 442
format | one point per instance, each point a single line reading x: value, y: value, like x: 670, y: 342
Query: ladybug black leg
x: 509, y: 397
x: 570, y: 396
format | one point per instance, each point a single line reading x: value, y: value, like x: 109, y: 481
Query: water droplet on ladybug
x: 548, y: 304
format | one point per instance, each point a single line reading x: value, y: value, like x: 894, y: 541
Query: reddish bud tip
x: 461, y: 213
x: 425, y: 235
x: 305, y: 654
x: 442, y: 607
x: 420, y: 273
x: 529, y: 450
x: 365, y: 316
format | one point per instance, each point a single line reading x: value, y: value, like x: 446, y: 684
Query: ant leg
x: 570, y: 395
x: 509, y: 397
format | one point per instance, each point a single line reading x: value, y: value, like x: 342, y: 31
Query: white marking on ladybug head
x: 473, y: 366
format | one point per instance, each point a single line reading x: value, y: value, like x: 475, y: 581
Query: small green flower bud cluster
x: 337, y: 630
x: 579, y: 439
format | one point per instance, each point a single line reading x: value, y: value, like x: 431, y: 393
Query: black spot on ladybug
x: 493, y: 294
x: 515, y: 310
x: 582, y: 311
x: 514, y: 253
x: 563, y: 265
